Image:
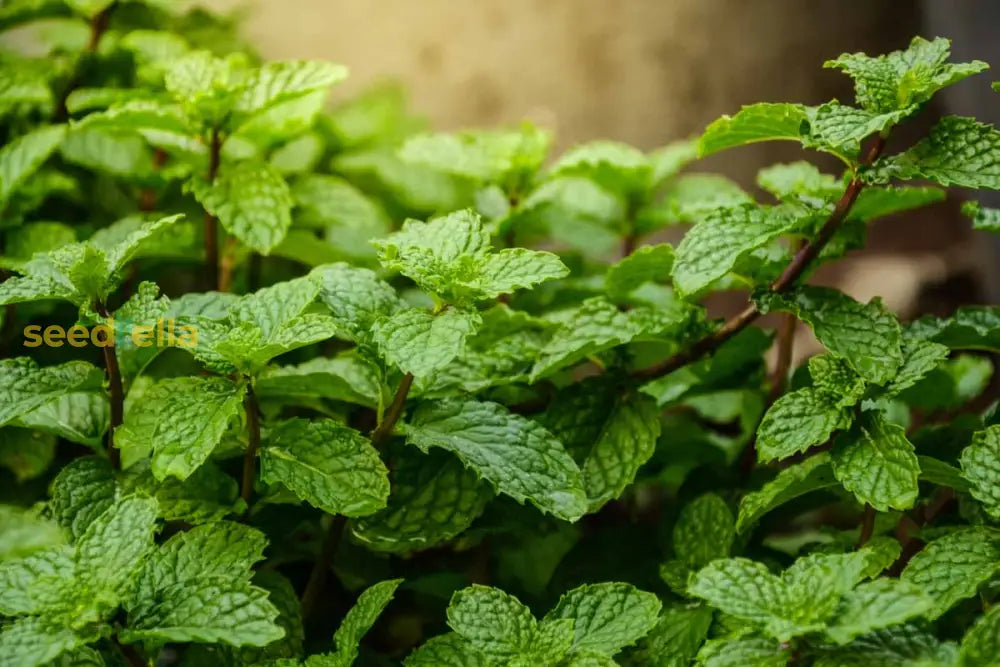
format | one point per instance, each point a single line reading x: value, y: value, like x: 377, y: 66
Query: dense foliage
x: 285, y: 385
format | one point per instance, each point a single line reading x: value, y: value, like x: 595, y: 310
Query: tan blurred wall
x: 642, y: 71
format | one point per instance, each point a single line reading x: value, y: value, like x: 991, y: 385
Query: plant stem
x: 252, y: 409
x: 382, y: 432
x: 211, y: 227
x: 317, y: 578
x: 115, y: 389
x: 98, y: 26
x: 796, y: 268
x: 867, y: 526
x: 392, y: 415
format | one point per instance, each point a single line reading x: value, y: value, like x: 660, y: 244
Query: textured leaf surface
x: 434, y: 498
x: 957, y: 151
x: 717, y: 241
x: 875, y: 605
x: 593, y: 326
x: 419, y: 342
x: 757, y: 122
x: 110, y: 551
x: 953, y: 567
x: 704, y: 531
x: 811, y: 475
x: 981, y: 467
x: 448, y: 650
x: 361, y: 618
x: 81, y: 492
x: 607, y: 617
x: 182, y: 419
x: 519, y: 457
x: 24, y: 385
x: 797, y: 421
x: 328, y: 465
x: 253, y: 203
x: 35, y: 641
x: 493, y: 622
x: 876, y: 462
x: 867, y: 336
x: 981, y: 644
x: 755, y: 651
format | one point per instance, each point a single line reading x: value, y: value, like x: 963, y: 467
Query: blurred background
x: 651, y: 71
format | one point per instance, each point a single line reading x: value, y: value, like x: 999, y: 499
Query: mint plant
x: 286, y: 384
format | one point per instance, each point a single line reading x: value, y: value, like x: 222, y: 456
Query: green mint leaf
x: 705, y: 530
x: 449, y: 649
x: 35, y: 640
x: 938, y: 472
x: 677, y: 636
x: 361, y: 618
x: 27, y: 386
x: 648, y: 264
x: 798, y: 180
x: 252, y: 201
x: 981, y: 468
x: 221, y: 549
x: 757, y: 122
x: 349, y: 377
x: 207, y: 611
x: 901, y: 80
x: 877, y: 202
x: 610, y: 434
x: 328, y: 465
x: 841, y: 129
x: 867, y: 336
x: 983, y: 219
x: 875, y: 605
x: 957, y: 151
x: 493, y: 622
x: 797, y: 421
x: 483, y: 155
x: 517, y: 456
x: 755, y: 651
x: 572, y: 210
x: 37, y: 583
x: 356, y: 297
x: 434, y: 498
x: 207, y: 495
x: 182, y: 420
x: 740, y: 587
x: 836, y: 380
x: 419, y: 342
x: 450, y: 256
x: 22, y: 157
x: 298, y: 156
x: 951, y: 568
x: 279, y: 81
x: 112, y: 548
x: 718, y: 240
x: 606, y: 617
x: 81, y: 492
x: 971, y: 327
x: 920, y: 357
x: 899, y: 645
x: 614, y: 166
x: 593, y: 326
x: 981, y: 644
x: 876, y: 463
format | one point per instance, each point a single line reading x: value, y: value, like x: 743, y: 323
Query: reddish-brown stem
x: 226, y: 264
x: 907, y: 526
x: 252, y: 409
x: 115, y: 390
x: 867, y: 526
x: 317, y: 578
x: 211, y: 227
x: 796, y: 269
x: 384, y: 430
